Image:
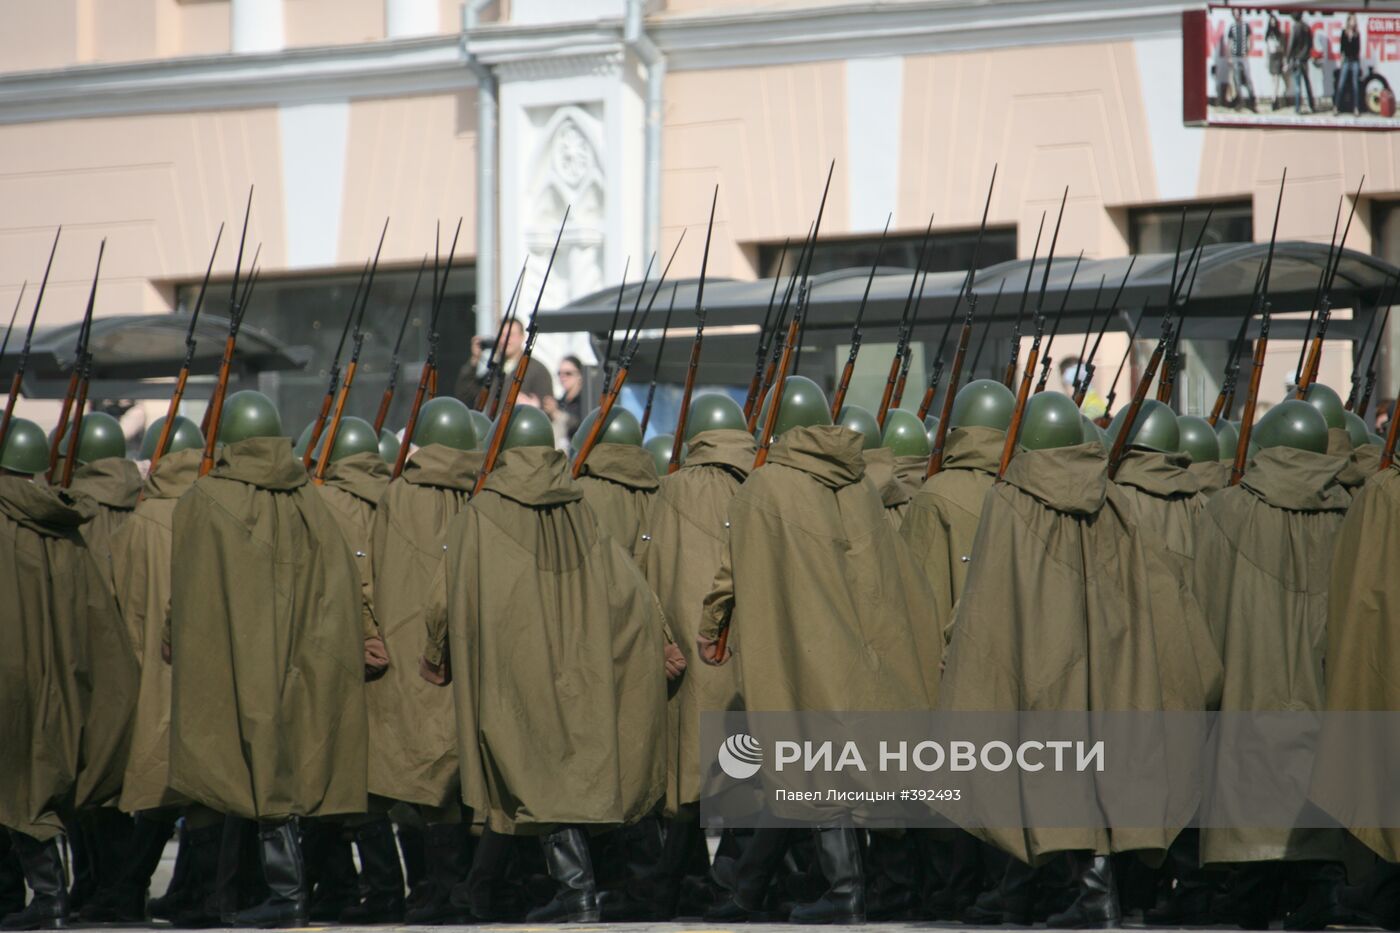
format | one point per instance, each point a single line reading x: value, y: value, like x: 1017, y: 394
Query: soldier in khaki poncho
x: 553, y: 644
x: 67, y: 682
x: 619, y: 477
x: 269, y: 735
x: 804, y: 529
x: 412, y: 747
x: 686, y: 538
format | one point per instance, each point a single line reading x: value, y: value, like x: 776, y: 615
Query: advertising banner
x: 1287, y: 66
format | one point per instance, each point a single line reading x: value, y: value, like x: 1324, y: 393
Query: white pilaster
x: 314, y: 148
x: 256, y: 26
x: 874, y: 109
x: 404, y: 19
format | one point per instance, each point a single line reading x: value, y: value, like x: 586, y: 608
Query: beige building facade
x: 146, y: 121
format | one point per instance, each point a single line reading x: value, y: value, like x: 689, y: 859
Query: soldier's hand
x: 675, y: 661
x: 433, y: 674
x: 165, y: 653
x: 709, y: 651
x: 376, y: 658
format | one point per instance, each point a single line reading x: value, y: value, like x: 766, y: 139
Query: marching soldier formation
x: 456, y: 675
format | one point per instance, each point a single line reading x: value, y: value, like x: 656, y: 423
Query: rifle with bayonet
x: 765, y: 336
x: 986, y: 335
x: 333, y: 383
x: 75, y: 378
x: 166, y: 429
x: 1055, y: 329
x: 1261, y: 347
x: 1013, y: 431
x: 1086, y: 371
x: 656, y: 365
x: 1365, y: 401
x: 1166, y: 386
x: 356, y: 345
x: 1012, y: 364
x: 777, y: 338
x: 839, y: 398
x: 1324, y: 315
x: 693, y: 367
x: 907, y: 355
x: 498, y: 433
x: 494, y: 379
x: 902, y: 342
x: 630, y: 340
x: 388, y: 397
x: 82, y: 370
x: 18, y: 377
x: 426, y: 378
x: 1083, y: 347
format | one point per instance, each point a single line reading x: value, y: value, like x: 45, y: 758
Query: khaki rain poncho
x: 618, y: 483
x: 1211, y: 475
x: 1056, y: 616
x: 944, y: 513
x: 556, y: 654
x: 894, y: 495
x: 141, y: 552
x: 108, y: 490
x: 353, y: 487
x: 267, y: 688
x: 688, y: 534
x: 67, y: 676
x: 1263, y: 559
x: 826, y: 607
x: 413, y: 744
x: 1363, y: 640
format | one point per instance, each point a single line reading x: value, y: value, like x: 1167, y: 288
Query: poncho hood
x: 828, y: 453
x: 1067, y: 479
x: 363, y: 476
x: 623, y: 464
x: 1158, y: 474
x: 112, y: 481
x: 1339, y: 445
x: 445, y: 467
x: 1211, y: 475
x: 880, y: 466
x: 38, y: 508
x: 262, y: 462
x: 173, y: 475
x: 974, y: 448
x: 723, y: 447
x: 534, y: 476
x: 1298, y: 480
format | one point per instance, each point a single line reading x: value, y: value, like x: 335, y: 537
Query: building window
x: 308, y: 313
x: 1155, y: 229
x: 947, y: 252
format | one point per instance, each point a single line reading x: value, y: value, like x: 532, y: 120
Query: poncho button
x: 646, y: 537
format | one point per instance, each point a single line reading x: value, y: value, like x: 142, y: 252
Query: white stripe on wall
x: 1176, y: 148
x: 874, y: 103
x: 314, y: 141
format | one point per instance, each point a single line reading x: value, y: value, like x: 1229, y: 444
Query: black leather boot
x: 165, y: 906
x: 1377, y: 898
x: 285, y: 874
x: 381, y: 877
x: 449, y: 854
x: 1011, y: 902
x: 570, y: 865
x: 13, y: 893
x: 838, y: 855
x: 1321, y: 907
x: 124, y: 900
x: 1095, y: 904
x: 47, y: 879
x: 330, y: 869
x: 194, y: 905
x: 749, y: 877
x: 630, y: 899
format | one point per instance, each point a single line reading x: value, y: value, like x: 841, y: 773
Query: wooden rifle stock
x: 163, y: 442
x: 1082, y: 389
x: 604, y: 409
x: 1139, y: 396
x: 1388, y: 451
x: 383, y: 414
x: 424, y: 378
x: 320, y: 478
x: 63, y: 416
x: 935, y: 460
x: 1251, y: 401
x: 216, y: 406
x: 498, y: 436
x: 676, y: 442
x: 1013, y: 431
x: 79, y: 404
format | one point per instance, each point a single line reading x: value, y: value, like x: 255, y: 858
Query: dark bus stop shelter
x: 138, y: 356
x: 1223, y: 284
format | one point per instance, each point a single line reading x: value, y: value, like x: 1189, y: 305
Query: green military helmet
x: 447, y: 421
x: 622, y: 428
x: 905, y: 434
x: 982, y: 403
x: 185, y: 436
x: 1356, y: 429
x: 1329, y: 403
x: 1292, y: 423
x: 1155, y: 427
x: 1051, y: 420
x: 529, y: 427
x: 1373, y: 438
x: 304, y: 438
x: 1198, y: 439
x: 804, y: 404
x: 102, y: 438
x: 931, y: 428
x: 482, y: 424
x: 388, y: 446
x: 1228, y: 434
x: 1093, y: 434
x: 713, y: 411
x: 354, y: 436
x: 26, y: 448
x: 862, y: 421
x: 248, y: 414
x: 660, y: 449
